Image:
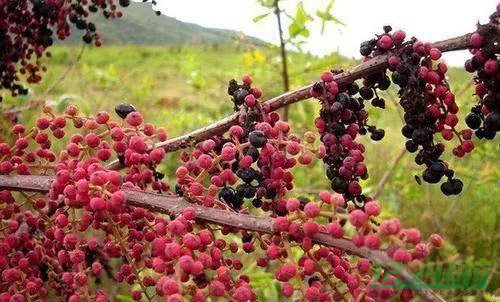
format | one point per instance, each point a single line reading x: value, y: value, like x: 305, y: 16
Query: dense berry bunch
x: 82, y: 232
x: 29, y: 27
x: 342, y: 118
x: 253, y: 163
x: 485, y: 115
x: 429, y: 105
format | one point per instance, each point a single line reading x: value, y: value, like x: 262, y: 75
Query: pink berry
x: 399, y: 36
x: 491, y: 66
x: 311, y: 209
x: 385, y: 42
x: 327, y: 76
x: 372, y: 208
x: 357, y: 218
x: 476, y: 40
x: 134, y: 119
x: 435, y: 54
x: 335, y: 229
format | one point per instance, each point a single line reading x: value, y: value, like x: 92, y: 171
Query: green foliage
x: 327, y: 16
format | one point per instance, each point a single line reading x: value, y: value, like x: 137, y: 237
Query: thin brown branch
x: 175, y: 205
x: 377, y: 64
x: 387, y: 174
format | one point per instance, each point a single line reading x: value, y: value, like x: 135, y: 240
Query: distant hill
x: 140, y: 25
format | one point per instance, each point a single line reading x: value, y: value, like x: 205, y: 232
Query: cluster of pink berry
x: 83, y: 233
x: 330, y: 272
x: 429, y: 105
x: 253, y: 163
x: 485, y: 115
x: 28, y: 28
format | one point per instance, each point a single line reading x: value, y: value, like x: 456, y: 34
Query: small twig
x: 64, y: 75
x: 387, y: 174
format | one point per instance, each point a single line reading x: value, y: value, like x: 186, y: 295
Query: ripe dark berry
x: 124, y: 3
x: 366, y: 93
x: 473, y: 120
x: 257, y: 138
x: 452, y: 187
x: 124, y: 109
x: 378, y: 134
x: 240, y: 95
x: 492, y: 121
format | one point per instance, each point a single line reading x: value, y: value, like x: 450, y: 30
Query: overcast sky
x: 430, y: 20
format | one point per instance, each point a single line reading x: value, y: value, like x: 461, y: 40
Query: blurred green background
x: 184, y: 87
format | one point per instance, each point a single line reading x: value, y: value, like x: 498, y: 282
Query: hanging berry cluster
x: 342, y: 118
x: 29, y: 27
x: 485, y: 115
x: 252, y: 163
x: 425, y: 96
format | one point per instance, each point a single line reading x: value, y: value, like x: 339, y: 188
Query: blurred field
x: 182, y: 88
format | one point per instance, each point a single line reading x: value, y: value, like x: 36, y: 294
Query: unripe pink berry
x: 436, y: 240
x: 335, y: 229
x: 398, y: 36
x: 372, y: 208
x: 292, y: 204
x: 311, y: 209
x: 247, y: 79
x: 310, y: 228
x: 476, y: 40
x: 435, y: 54
x: 357, y: 218
x: 327, y: 76
x: 385, y: 42
x: 134, y: 119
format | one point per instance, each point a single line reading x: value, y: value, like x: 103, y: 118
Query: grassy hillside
x: 182, y: 88
x: 140, y: 25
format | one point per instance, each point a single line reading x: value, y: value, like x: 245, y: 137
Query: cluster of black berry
x: 28, y: 27
x: 252, y: 163
x: 342, y: 118
x: 429, y: 105
x: 484, y: 117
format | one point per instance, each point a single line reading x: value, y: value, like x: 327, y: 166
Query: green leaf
x: 123, y: 298
x: 298, y: 26
x: 267, y: 3
x: 260, y: 17
x: 301, y: 15
x: 326, y: 16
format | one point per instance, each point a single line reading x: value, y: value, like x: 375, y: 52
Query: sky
x: 428, y: 20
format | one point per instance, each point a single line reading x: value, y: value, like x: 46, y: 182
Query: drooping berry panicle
x: 428, y: 103
x: 484, y: 117
x: 29, y: 27
x: 342, y: 118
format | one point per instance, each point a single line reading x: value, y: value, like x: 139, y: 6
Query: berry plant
x: 29, y: 27
x: 99, y: 210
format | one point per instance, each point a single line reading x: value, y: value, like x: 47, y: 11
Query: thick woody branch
x: 173, y: 205
x: 377, y: 64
